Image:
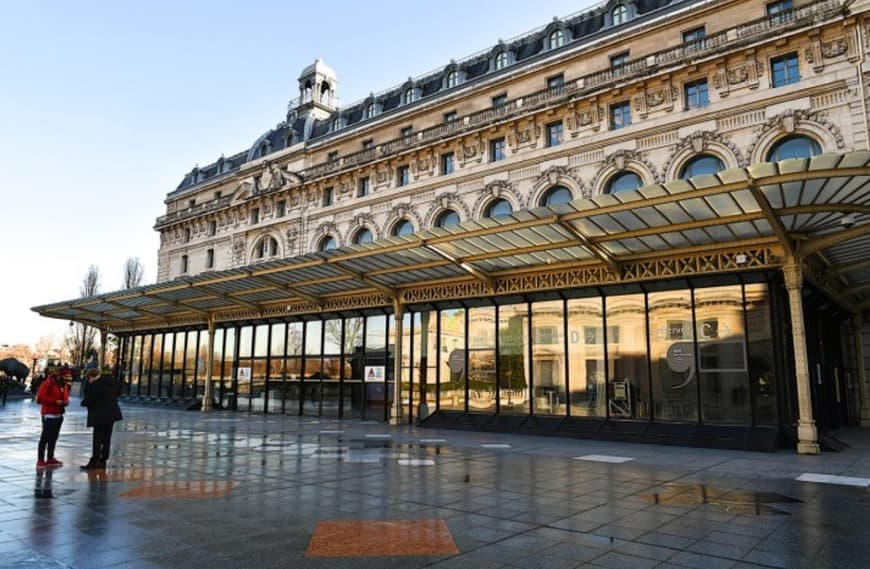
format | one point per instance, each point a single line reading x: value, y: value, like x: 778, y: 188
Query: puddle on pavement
x: 731, y: 501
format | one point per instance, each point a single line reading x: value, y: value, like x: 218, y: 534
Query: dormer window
x: 619, y: 14
x: 501, y: 60
x: 336, y: 124
x: 371, y: 110
x: 264, y: 149
x: 557, y: 39
x: 410, y: 96
x: 452, y: 80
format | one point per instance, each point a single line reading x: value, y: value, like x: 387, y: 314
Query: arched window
x: 451, y: 80
x: 795, y: 146
x: 363, y: 236
x: 624, y: 181
x: 371, y: 110
x: 306, y: 92
x: 264, y: 149
x: 701, y: 164
x: 555, y: 196
x: 336, y: 124
x: 403, y: 227
x: 328, y: 243
x: 619, y: 14
x: 324, y: 93
x: 557, y: 39
x: 501, y: 60
x: 267, y: 247
x: 410, y: 96
x: 447, y: 218
x: 498, y: 207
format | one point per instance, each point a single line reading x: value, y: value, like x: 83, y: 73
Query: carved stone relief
x: 791, y: 120
x: 698, y: 142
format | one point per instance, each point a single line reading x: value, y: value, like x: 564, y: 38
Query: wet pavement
x: 221, y: 490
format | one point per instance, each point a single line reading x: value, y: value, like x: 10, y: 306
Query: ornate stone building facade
x: 645, y: 221
x: 581, y: 104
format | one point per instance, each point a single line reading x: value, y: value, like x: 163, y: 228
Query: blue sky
x: 104, y: 106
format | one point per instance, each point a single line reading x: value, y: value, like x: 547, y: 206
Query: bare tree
x: 82, y: 338
x: 133, y: 272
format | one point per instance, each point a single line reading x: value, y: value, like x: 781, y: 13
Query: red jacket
x: 49, y: 393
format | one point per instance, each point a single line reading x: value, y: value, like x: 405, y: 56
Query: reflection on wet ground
x: 381, y: 538
x: 223, y: 490
x: 731, y: 501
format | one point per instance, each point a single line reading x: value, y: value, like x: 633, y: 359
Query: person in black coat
x: 100, y: 396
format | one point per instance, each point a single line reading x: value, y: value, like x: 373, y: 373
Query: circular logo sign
x: 681, y: 357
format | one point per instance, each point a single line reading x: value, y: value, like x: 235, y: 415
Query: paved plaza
x: 222, y: 490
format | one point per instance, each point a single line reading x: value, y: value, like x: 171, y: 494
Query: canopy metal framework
x: 813, y: 213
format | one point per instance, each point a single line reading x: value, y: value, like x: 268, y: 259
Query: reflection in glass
x: 227, y: 391
x: 481, y: 359
x: 513, y: 364
x: 246, y: 337
x: 672, y: 355
x: 723, y: 364
x: 586, y: 366
x: 261, y: 341
x: 451, y: 360
x: 136, y: 369
x: 354, y: 360
x: 191, y: 364
x: 762, y: 383
x: 425, y: 357
x: 628, y: 384
x: 176, y: 374
x: 276, y: 344
x: 156, y: 365
x: 548, y: 358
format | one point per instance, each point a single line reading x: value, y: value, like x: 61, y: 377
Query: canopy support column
x: 808, y: 442
x: 863, y: 389
x: 209, y: 365
x: 399, y: 315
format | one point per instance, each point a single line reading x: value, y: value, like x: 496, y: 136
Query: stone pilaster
x: 808, y: 441
x: 861, y: 366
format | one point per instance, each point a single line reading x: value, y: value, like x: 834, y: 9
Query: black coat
x: 101, y: 399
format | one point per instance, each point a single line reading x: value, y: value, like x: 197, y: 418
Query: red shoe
x: 40, y: 464
x: 53, y: 462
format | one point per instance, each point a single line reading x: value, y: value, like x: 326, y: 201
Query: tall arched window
x: 498, y: 207
x: 451, y: 80
x: 795, y: 146
x: 501, y: 60
x: 555, y: 196
x: 619, y: 14
x: 402, y: 227
x: 363, y: 236
x: 267, y: 247
x: 324, y: 93
x: 623, y: 181
x: 410, y: 96
x: 447, y: 218
x: 328, y: 243
x: 371, y: 110
x: 557, y: 39
x: 701, y: 164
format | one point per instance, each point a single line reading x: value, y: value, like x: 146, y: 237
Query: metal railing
x: 732, y: 37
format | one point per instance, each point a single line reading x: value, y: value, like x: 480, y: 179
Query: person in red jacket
x: 53, y: 396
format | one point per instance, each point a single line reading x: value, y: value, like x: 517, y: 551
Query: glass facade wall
x: 690, y: 354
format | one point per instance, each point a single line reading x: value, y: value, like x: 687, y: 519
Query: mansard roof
x: 584, y: 26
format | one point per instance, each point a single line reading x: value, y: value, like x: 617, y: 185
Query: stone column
x: 807, y: 435
x: 399, y: 315
x: 209, y: 364
x: 860, y: 365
